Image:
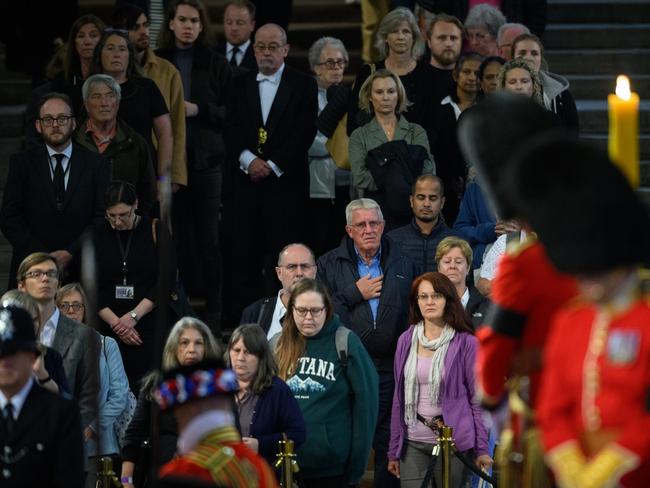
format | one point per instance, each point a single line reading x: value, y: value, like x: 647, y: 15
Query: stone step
x: 11, y: 120
x: 599, y: 86
x: 623, y: 11
x: 14, y: 90
x: 8, y: 147
x: 602, y: 139
x: 598, y: 61
x: 302, y: 35
x: 592, y: 36
x: 644, y: 194
x: 594, y: 118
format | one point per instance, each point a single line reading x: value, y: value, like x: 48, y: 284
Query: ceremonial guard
x: 40, y: 431
x: 526, y: 293
x: 593, y: 409
x: 210, y: 447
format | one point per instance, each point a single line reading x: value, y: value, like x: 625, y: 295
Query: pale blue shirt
x: 240, y: 53
x: 49, y: 329
x: 374, y: 270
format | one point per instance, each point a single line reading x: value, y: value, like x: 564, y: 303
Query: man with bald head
x: 271, y: 125
x: 295, y: 262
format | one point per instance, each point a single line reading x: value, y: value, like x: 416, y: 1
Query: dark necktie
x: 233, y: 57
x: 9, y: 417
x: 59, y: 180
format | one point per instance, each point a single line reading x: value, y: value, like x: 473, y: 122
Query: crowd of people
x: 406, y: 218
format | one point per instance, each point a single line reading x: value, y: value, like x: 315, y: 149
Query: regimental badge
x: 262, y: 135
x: 623, y: 347
x: 7, y: 328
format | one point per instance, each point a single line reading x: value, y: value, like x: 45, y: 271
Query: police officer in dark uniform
x: 40, y: 431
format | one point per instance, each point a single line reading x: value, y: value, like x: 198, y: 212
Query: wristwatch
x: 133, y: 315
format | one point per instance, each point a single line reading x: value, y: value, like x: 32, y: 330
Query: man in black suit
x: 271, y: 125
x: 77, y: 343
x: 238, y: 26
x: 40, y: 433
x: 53, y: 191
x: 295, y: 262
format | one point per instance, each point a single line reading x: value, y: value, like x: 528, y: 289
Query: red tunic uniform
x: 596, y: 384
x: 219, y: 459
x: 526, y: 292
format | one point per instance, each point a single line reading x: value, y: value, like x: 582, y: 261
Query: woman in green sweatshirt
x: 336, y: 385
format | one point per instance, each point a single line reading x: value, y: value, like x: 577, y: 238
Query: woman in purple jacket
x: 434, y: 377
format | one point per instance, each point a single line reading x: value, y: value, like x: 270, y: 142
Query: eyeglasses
x: 47, y: 121
x: 302, y: 311
x: 121, y: 216
x: 373, y: 224
x: 333, y: 63
x: 76, y: 306
x: 38, y: 274
x: 273, y: 47
x: 423, y: 297
x: 293, y: 267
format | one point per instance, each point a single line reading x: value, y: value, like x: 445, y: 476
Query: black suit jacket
x: 45, y: 447
x: 259, y: 312
x: 477, y: 306
x: 29, y: 218
x: 248, y: 62
x: 290, y: 127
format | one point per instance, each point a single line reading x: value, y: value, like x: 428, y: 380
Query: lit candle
x: 624, y: 130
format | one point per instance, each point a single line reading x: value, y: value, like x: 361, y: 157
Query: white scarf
x: 411, y: 385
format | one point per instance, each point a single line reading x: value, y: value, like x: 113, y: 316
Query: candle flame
x: 623, y: 87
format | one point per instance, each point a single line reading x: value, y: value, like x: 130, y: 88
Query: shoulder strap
x: 341, y: 340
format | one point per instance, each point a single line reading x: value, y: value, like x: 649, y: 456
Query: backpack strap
x: 341, y: 341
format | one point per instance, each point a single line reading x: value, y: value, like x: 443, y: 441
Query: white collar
x: 18, y: 400
x: 67, y: 152
x: 54, y: 318
x: 203, y: 423
x: 274, y: 78
x: 449, y: 101
x: 242, y: 47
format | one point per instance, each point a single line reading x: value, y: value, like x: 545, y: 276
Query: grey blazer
x: 79, y: 347
x: 370, y: 136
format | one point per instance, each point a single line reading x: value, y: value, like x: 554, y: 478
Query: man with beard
x: 167, y: 79
x: 445, y: 40
x: 295, y: 262
x: 54, y: 191
x: 421, y: 237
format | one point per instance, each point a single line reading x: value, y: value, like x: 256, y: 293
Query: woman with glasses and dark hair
x: 335, y: 382
x: 267, y: 408
x: 434, y: 382
x: 127, y: 279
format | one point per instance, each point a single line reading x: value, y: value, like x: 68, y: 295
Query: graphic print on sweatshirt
x: 312, y: 376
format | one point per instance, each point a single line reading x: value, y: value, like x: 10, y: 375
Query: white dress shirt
x: 268, y: 87
x: 276, y: 321
x: 49, y: 329
x: 67, y: 152
x: 240, y: 53
x: 18, y: 400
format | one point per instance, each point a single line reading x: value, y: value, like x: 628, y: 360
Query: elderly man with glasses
x: 369, y: 279
x: 54, y: 191
x: 295, y: 262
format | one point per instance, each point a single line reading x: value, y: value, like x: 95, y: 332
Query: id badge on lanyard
x: 124, y: 291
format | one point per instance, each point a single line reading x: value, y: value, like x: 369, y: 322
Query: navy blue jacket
x: 418, y: 247
x: 338, y: 270
x: 277, y: 411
